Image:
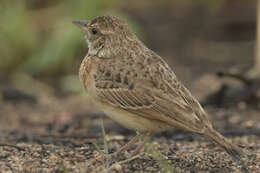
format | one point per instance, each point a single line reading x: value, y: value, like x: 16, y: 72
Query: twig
x: 236, y: 76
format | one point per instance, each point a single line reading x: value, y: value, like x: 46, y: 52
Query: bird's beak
x: 81, y: 23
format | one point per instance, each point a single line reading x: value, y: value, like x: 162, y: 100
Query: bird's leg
x: 131, y: 142
x: 141, y: 145
x: 123, y: 148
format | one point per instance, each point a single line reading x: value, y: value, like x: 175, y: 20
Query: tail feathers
x: 230, y: 148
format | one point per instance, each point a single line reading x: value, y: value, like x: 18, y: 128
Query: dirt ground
x: 59, y: 136
x: 50, y: 132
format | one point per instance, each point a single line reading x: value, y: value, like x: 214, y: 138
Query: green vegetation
x: 39, y: 39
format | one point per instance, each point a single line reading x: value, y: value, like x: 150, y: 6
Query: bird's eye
x: 94, y: 31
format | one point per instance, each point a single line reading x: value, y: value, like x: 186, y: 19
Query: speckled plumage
x: 136, y: 87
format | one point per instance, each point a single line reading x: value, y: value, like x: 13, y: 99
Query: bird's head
x: 105, y: 35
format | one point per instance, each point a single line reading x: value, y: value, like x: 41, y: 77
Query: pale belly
x: 133, y: 121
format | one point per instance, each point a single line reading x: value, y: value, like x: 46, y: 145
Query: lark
x: 136, y: 88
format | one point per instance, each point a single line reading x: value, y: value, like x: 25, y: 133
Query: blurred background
x: 41, y: 50
x: 211, y: 45
x: 38, y: 42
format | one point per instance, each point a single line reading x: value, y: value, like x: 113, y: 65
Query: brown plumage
x: 135, y: 87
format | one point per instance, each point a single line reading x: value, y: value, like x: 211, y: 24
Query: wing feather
x: 156, y: 98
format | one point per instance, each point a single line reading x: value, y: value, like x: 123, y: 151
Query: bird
x: 136, y: 87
